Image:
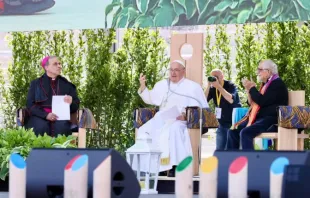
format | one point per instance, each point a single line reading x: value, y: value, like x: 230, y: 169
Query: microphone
x: 200, y: 119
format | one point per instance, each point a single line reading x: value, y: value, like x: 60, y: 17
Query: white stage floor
x: 208, y: 148
x: 5, y: 195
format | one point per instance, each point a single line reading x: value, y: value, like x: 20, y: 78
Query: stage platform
x: 6, y: 195
x: 166, y: 185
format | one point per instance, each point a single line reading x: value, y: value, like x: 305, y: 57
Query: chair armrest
x: 21, y: 116
x: 86, y: 119
x: 208, y: 118
x: 142, y: 115
x: 294, y: 117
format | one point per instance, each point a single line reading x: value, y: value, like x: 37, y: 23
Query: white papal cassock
x: 171, y: 136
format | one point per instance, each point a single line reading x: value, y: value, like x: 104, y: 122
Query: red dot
x: 238, y: 164
x: 69, y: 165
x: 1, y: 6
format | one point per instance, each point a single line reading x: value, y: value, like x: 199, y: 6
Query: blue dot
x: 278, y: 165
x: 18, y: 161
x: 80, y: 162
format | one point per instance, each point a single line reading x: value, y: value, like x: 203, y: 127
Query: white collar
x: 178, y: 82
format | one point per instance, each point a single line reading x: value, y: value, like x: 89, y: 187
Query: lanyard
x: 219, y: 95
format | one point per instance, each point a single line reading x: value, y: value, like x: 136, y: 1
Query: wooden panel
x: 268, y: 135
x: 177, y: 40
x: 300, y: 144
x: 82, y: 138
x: 275, y: 135
x: 194, y: 135
x: 194, y: 66
x: 296, y: 98
x: 194, y: 72
x: 287, y: 139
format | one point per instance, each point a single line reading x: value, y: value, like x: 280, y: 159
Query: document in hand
x: 61, y: 108
x: 170, y: 114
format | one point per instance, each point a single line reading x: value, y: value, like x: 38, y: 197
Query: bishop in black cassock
x: 39, y: 100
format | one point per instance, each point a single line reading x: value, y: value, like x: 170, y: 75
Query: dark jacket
x: 275, y: 95
x: 227, y: 108
x: 40, y: 95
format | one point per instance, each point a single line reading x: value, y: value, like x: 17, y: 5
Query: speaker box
x: 45, y: 172
x: 295, y: 180
x: 259, y: 163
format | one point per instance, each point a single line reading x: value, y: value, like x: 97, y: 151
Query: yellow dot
x: 209, y: 164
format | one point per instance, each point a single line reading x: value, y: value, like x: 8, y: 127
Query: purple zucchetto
x: 44, y: 61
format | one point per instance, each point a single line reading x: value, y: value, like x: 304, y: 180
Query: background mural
x: 30, y: 15
x: 145, y: 13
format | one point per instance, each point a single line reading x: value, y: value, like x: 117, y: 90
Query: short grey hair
x: 269, y: 64
x: 49, y: 58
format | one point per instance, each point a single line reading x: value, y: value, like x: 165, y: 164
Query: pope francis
x: 167, y: 128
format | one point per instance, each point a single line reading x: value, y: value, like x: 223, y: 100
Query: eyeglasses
x: 260, y: 69
x: 56, y: 64
x: 175, y: 70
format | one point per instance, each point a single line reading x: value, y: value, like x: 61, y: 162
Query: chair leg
x: 300, y: 144
x: 194, y: 137
x: 82, y: 138
x: 275, y: 144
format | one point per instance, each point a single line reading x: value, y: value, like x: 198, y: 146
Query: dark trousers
x: 246, y: 135
x: 221, y: 136
x: 41, y: 126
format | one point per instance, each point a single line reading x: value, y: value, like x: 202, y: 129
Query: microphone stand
x: 200, y: 118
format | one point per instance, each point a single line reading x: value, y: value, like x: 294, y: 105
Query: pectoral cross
x: 164, y: 103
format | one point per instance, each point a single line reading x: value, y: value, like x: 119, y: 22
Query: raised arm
x: 269, y: 97
x: 152, y: 97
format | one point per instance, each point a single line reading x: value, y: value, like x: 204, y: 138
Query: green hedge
x: 107, y: 81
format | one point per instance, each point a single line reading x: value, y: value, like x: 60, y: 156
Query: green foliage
x: 22, y: 141
x: 207, y: 54
x: 107, y: 81
x: 222, y: 44
x: 285, y: 43
x: 28, y: 50
x: 113, y: 80
x: 249, y: 52
x: 148, y: 13
x: 291, y: 51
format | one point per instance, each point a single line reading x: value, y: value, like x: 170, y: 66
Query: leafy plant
x: 149, y: 13
x: 222, y: 48
x: 249, y: 53
x: 22, y: 141
x: 27, y: 53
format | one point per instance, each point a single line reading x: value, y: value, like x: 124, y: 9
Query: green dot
x: 184, y: 164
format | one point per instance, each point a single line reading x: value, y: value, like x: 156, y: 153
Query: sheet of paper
x: 171, y: 113
x: 61, y: 108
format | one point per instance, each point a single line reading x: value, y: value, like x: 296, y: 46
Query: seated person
x: 263, y: 111
x: 39, y: 100
x: 170, y: 135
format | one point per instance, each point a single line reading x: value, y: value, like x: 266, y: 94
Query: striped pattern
x: 294, y: 117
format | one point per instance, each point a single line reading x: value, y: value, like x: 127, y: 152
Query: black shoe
x: 172, y: 172
x: 163, y: 173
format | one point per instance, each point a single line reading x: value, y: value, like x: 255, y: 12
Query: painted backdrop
x: 29, y: 15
